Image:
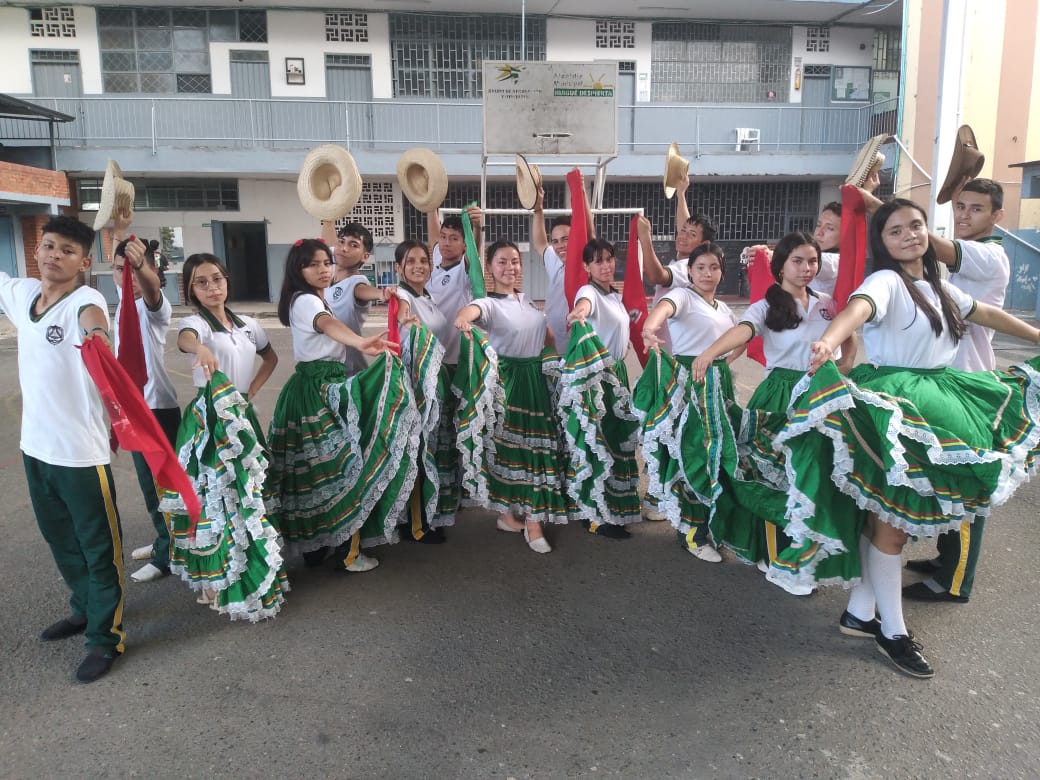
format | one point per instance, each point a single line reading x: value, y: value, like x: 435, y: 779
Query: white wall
x: 574, y: 40
x: 850, y: 46
x: 15, y: 43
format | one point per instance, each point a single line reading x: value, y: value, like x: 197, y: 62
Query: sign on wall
x: 550, y: 108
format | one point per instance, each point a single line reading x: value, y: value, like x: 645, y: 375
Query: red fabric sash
x: 760, y: 277
x: 131, y: 346
x: 134, y: 425
x: 574, y: 275
x: 853, y: 246
x: 393, y: 328
x: 633, y: 296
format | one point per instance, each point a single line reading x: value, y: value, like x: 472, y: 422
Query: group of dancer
x: 487, y: 400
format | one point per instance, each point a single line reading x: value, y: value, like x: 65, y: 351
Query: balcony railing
x: 238, y: 123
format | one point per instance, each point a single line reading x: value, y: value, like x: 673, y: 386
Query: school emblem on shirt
x: 55, y: 334
x: 445, y: 280
x: 635, y: 315
x: 250, y: 336
x: 337, y: 293
x: 826, y: 314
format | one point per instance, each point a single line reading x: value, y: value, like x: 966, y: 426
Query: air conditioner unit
x: 746, y: 137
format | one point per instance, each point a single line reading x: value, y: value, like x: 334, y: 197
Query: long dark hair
x: 300, y: 255
x: 188, y: 273
x: 407, y: 246
x: 883, y: 261
x: 783, y: 309
x: 708, y: 249
x: 595, y: 247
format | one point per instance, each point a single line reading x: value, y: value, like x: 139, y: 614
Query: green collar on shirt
x: 600, y: 288
x: 407, y: 288
x: 215, y: 324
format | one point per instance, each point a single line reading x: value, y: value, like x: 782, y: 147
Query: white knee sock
x: 861, y: 598
x: 886, y: 578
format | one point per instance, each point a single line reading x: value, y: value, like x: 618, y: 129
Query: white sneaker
x: 362, y: 563
x: 149, y: 573
x: 142, y: 553
x: 706, y: 553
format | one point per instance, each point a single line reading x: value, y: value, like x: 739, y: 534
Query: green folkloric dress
x: 344, y: 453
x: 601, y: 432
x: 235, y: 549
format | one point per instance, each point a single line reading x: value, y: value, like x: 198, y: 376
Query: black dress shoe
x: 97, y: 663
x: 850, y: 625
x: 608, y: 530
x: 63, y: 629
x: 905, y: 653
x: 920, y: 591
x: 923, y: 565
x: 315, y: 557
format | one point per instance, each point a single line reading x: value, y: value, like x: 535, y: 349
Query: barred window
x: 441, y: 55
x: 694, y: 62
x: 615, y: 34
x: 166, y: 50
x: 153, y: 195
x: 56, y: 22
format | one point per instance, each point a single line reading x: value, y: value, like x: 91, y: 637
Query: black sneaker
x: 64, y: 628
x: 97, y: 663
x: 920, y: 591
x: 905, y: 653
x: 607, y: 529
x: 924, y: 565
x: 850, y: 625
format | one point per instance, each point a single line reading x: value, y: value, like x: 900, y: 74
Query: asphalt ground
x: 481, y: 659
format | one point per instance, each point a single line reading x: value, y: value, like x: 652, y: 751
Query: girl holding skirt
x: 596, y: 405
x: 232, y: 558
x: 920, y: 447
x: 674, y: 409
x: 435, y: 497
x: 524, y: 468
x: 342, y: 456
x: 789, y: 319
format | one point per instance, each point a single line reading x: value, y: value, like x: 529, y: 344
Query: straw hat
x: 676, y: 168
x: 868, y: 161
x: 528, y: 182
x: 423, y: 179
x: 329, y: 185
x: 117, y: 195
x: 966, y: 164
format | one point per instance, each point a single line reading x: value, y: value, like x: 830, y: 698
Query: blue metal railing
x: 135, y: 121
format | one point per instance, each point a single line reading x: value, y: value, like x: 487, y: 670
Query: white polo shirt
x: 351, y: 312
x: 898, y: 333
x: 982, y: 271
x: 696, y: 324
x: 159, y: 392
x: 308, y: 342
x: 556, y: 309
x: 790, y: 348
x: 828, y: 273
x: 608, y: 317
x: 63, y: 418
x: 451, y: 292
x: 680, y: 270
x: 235, y: 349
x: 515, y: 327
x: 425, y: 310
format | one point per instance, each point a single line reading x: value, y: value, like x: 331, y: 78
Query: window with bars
x: 818, y: 39
x: 183, y: 195
x: 615, y: 34
x: 166, y: 50
x: 350, y: 26
x: 441, y: 55
x: 54, y: 55
x: 887, y: 49
x: 56, y: 22
x: 723, y: 63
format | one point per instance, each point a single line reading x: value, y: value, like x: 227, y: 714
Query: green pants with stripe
x: 958, y: 557
x: 169, y: 420
x: 76, y: 510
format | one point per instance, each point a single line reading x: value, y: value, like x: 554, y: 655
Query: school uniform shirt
x: 451, y: 292
x: 351, y: 312
x: 696, y: 324
x: 898, y: 334
x: 608, y: 317
x: 63, y: 418
x: 982, y: 270
x: 790, y: 348
x: 159, y: 392
x: 680, y: 270
x: 556, y: 309
x: 426, y: 311
x: 515, y: 327
x: 828, y: 273
x: 235, y: 349
x: 308, y: 342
